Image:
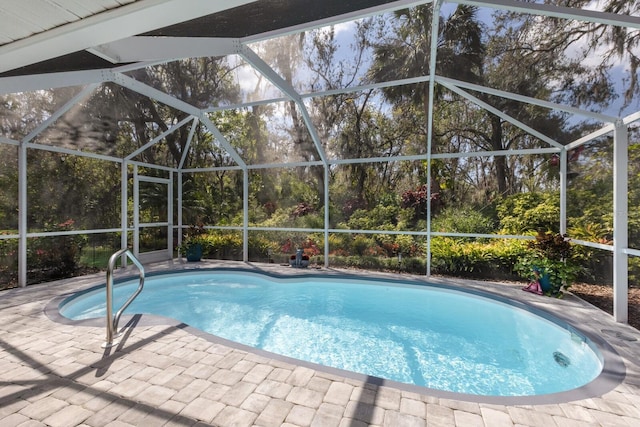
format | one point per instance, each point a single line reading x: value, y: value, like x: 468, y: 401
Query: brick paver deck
x: 55, y: 373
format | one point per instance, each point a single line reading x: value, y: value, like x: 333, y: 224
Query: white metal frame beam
x: 79, y: 97
x: 5, y: 140
x: 502, y: 115
x: 17, y: 84
x: 435, y: 24
x: 192, y: 131
x: 204, y: 119
x: 570, y: 13
x: 145, y: 48
x: 158, y: 138
x: 126, y: 21
x: 258, y: 63
x: 620, y: 223
x: 178, y: 104
x: 527, y: 99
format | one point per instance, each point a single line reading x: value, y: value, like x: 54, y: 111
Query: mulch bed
x: 602, y: 297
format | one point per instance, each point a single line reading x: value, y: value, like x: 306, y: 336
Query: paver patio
x: 54, y: 372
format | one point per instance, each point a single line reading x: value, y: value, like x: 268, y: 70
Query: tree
x: 543, y: 38
x: 137, y: 119
x: 404, y: 51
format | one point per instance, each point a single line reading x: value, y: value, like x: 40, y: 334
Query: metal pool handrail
x: 112, y: 321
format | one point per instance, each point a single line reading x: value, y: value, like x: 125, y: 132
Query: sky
x: 345, y: 36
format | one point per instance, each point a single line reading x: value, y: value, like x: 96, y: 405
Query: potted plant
x: 193, y: 242
x: 548, y: 264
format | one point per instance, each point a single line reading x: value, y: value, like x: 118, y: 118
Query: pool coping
x: 612, y: 375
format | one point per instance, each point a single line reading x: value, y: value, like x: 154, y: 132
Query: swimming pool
x: 431, y: 336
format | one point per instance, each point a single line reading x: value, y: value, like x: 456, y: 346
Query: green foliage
x: 96, y: 257
x: 8, y: 262
x: 596, y: 263
x: 260, y: 247
x: 339, y: 241
x: 527, y: 212
x: 379, y: 217
x: 277, y: 219
x: 462, y: 220
x: 550, y: 254
x: 361, y: 243
x: 55, y: 257
x: 222, y: 245
x: 413, y: 265
x: 406, y: 245
x: 493, y: 259
x: 194, y: 242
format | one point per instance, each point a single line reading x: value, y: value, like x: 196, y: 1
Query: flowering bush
x: 417, y: 200
x: 308, y: 246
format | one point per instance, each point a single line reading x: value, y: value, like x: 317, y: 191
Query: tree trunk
x: 499, y: 162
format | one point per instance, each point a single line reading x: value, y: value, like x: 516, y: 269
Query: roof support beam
x: 433, y: 54
x: 49, y: 81
x: 246, y: 104
x: 138, y: 49
x: 631, y: 118
x: 169, y: 100
x: 502, y: 115
x: 252, y: 58
x: 222, y: 140
x: 194, y: 125
x: 72, y: 152
x: 306, y: 95
x: 125, y: 21
x: 593, y: 135
x: 58, y: 113
x: 620, y: 223
x: 155, y: 140
x: 143, y: 89
x: 361, y: 88
x: 571, y: 13
x: 5, y: 140
x: 527, y: 99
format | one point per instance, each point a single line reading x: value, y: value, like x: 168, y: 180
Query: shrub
x: 222, y: 245
x: 259, y: 247
x: 550, y: 255
x: 493, y: 260
x: 376, y: 218
x: 8, y: 262
x: 462, y: 220
x: 54, y: 257
x: 527, y: 212
x: 375, y: 263
x: 361, y: 243
x: 302, y: 209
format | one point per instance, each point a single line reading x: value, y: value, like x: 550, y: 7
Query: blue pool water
x: 425, y: 335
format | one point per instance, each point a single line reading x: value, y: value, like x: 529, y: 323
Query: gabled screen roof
x: 250, y: 19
